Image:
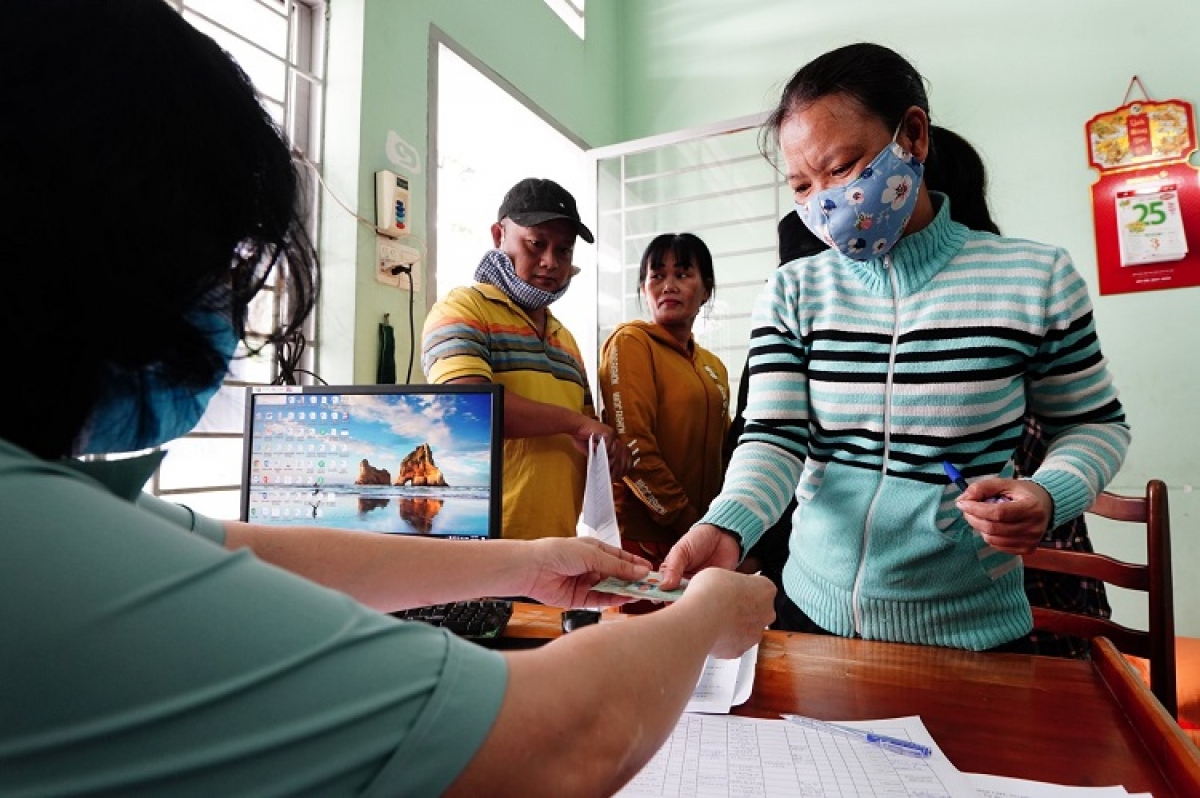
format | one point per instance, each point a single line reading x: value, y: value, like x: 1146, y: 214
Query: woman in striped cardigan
x: 911, y: 343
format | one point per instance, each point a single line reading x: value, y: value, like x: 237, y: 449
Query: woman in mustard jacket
x: 668, y: 399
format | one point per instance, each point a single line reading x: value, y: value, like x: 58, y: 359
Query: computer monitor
x: 396, y: 459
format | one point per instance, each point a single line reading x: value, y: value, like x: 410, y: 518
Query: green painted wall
x: 379, y: 60
x: 1018, y: 79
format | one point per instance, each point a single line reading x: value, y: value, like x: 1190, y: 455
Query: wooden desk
x: 1087, y: 723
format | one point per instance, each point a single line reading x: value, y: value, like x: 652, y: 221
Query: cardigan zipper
x: 887, y: 445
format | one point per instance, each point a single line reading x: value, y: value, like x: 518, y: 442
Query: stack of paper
x: 1004, y: 787
x: 728, y: 755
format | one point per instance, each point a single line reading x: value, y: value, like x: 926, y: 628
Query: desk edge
x: 1175, y: 755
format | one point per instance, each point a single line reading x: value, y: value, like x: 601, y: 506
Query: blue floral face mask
x: 866, y: 217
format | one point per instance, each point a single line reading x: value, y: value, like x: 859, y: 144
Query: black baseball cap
x: 534, y: 201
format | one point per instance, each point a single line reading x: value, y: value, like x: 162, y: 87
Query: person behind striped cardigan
x: 912, y: 343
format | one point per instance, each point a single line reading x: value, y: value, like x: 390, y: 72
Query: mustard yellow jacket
x: 670, y: 404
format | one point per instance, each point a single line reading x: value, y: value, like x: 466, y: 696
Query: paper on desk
x: 724, y: 683
x: 987, y: 786
x: 729, y: 755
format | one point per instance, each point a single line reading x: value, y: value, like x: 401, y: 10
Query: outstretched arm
x: 583, y: 715
x: 704, y: 546
x: 395, y: 572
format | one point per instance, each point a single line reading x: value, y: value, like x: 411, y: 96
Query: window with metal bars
x: 711, y: 181
x: 280, y: 44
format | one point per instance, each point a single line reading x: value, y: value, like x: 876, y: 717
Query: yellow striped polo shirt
x: 477, y: 331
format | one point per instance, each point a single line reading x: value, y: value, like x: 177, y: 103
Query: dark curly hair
x: 146, y: 188
x: 879, y: 79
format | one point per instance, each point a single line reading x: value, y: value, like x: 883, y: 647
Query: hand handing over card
x: 646, y: 588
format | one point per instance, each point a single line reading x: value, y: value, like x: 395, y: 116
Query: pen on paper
x: 906, y: 747
x: 954, y: 476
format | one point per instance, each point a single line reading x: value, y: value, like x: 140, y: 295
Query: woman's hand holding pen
x: 1011, y: 514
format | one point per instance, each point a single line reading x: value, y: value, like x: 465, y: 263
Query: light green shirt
x: 183, y: 516
x: 136, y: 658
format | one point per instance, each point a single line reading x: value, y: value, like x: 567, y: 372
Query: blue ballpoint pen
x: 906, y: 747
x: 958, y: 480
x: 954, y: 476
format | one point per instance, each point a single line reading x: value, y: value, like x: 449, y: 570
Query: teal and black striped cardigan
x: 866, y: 376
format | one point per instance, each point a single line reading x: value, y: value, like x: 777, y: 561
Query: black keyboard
x: 482, y: 619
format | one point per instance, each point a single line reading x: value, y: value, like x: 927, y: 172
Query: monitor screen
x: 397, y: 459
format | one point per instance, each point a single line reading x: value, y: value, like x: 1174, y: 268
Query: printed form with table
x: 711, y: 752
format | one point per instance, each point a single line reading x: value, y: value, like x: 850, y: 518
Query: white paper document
x: 710, y: 755
x: 1003, y: 787
x: 599, y: 518
x: 724, y: 683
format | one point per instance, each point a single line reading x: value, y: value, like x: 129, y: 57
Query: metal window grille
x: 281, y: 46
x: 710, y: 181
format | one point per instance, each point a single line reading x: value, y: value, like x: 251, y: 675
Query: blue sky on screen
x: 456, y: 427
x: 383, y: 429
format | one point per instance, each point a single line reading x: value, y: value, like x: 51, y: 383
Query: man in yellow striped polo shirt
x: 500, y: 329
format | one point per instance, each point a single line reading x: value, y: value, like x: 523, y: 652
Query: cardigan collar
x: 917, y: 257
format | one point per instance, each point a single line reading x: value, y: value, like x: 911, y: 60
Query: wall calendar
x: 1146, y: 203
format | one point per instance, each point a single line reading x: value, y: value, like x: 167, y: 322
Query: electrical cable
x: 289, y: 353
x: 422, y: 249
x: 412, y: 331
x: 412, y: 321
x: 299, y: 153
x: 421, y: 246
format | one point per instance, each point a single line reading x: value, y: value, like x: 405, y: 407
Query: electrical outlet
x: 388, y: 255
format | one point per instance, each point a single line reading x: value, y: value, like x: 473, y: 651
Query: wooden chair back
x: 1157, y: 644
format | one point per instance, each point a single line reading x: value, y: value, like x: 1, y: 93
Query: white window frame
x: 617, y: 243
x: 302, y: 104
x: 572, y: 12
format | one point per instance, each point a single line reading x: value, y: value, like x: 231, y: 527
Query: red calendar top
x: 1141, y: 133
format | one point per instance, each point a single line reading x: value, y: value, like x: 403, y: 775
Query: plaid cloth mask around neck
x: 866, y: 217
x: 497, y: 269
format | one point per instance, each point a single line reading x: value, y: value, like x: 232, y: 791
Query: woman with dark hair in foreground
x: 149, y: 197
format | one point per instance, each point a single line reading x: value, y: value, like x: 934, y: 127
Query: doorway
x: 488, y: 137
